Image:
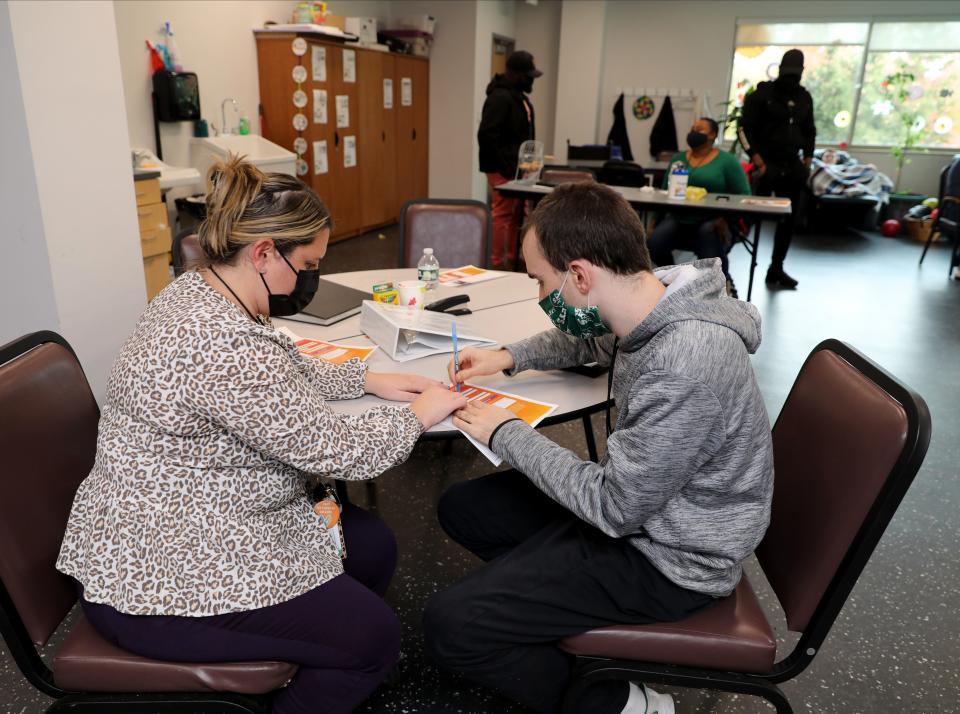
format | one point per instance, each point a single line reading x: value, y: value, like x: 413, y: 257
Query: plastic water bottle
x: 428, y: 269
x: 677, y: 183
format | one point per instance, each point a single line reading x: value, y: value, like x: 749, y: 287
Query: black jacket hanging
x: 618, y: 132
x: 663, y: 136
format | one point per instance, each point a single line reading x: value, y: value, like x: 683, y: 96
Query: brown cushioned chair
x: 48, y: 435
x: 186, y: 251
x: 847, y: 444
x: 458, y: 231
x: 557, y: 176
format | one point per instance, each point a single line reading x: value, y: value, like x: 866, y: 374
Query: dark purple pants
x: 342, y: 634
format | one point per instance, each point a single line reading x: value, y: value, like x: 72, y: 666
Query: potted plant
x: 900, y: 87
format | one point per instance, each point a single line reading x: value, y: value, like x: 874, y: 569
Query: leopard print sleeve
x: 274, y: 404
x: 337, y: 381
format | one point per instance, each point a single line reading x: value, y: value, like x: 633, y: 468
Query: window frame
x: 870, y: 21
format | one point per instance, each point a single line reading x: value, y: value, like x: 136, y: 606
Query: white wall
x: 538, y: 32
x: 452, y: 60
x: 582, y: 39
x: 689, y: 43
x: 26, y: 286
x: 80, y: 161
x: 216, y: 41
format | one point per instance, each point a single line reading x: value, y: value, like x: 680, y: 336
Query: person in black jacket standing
x: 775, y: 129
x: 507, y: 122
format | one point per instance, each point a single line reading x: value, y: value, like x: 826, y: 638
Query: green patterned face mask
x: 582, y: 322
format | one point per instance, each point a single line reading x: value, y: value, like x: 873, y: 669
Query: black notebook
x: 331, y: 304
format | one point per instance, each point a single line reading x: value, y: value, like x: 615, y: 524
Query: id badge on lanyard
x: 328, y: 508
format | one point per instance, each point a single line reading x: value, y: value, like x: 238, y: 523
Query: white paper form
x: 343, y: 111
x: 349, y: 151
x: 318, y: 62
x: 388, y: 93
x: 530, y: 410
x: 350, y: 66
x: 319, y: 106
x: 320, y: 165
x: 406, y: 91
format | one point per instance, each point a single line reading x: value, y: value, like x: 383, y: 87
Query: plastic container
x: 428, y: 269
x: 677, y: 183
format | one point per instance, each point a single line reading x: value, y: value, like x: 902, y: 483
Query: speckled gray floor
x: 896, y: 645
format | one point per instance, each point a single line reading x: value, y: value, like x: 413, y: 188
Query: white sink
x: 264, y: 154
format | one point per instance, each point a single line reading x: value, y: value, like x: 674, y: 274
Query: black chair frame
x: 487, y: 248
x: 942, y: 199
x: 589, y: 670
x: 28, y: 659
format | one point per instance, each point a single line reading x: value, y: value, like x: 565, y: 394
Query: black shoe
x: 776, y: 278
x: 732, y: 289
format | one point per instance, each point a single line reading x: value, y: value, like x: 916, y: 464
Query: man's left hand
x: 398, y: 387
x: 479, y: 420
x: 807, y: 161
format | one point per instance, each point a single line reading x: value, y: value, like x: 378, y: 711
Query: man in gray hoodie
x: 658, y: 528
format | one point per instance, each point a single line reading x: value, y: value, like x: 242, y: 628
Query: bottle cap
x: 428, y: 251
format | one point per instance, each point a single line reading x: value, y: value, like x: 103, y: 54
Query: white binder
x: 406, y: 334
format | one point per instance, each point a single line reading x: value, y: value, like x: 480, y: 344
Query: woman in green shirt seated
x: 718, y: 172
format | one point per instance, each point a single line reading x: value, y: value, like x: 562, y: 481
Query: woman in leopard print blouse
x: 194, y: 537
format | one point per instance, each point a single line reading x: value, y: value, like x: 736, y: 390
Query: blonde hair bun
x: 245, y: 204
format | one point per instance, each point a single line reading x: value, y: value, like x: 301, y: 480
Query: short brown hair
x: 245, y: 204
x: 590, y: 221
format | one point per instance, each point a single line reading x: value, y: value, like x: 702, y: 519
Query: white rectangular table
x: 712, y: 203
x: 505, y: 310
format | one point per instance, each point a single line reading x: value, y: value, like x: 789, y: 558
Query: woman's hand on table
x: 476, y: 362
x: 398, y: 387
x: 479, y: 420
x: 436, y: 404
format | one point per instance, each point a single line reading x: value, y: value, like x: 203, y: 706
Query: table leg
x: 753, y: 256
x: 591, y: 441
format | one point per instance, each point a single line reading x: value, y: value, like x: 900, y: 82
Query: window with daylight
x: 880, y: 84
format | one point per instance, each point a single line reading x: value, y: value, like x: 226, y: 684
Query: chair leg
x: 588, y: 672
x: 162, y: 703
x: 591, y: 441
x: 926, y: 245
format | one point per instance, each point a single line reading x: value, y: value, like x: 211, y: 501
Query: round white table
x: 505, y: 310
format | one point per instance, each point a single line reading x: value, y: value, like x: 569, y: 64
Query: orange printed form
x: 530, y: 410
x: 331, y: 352
x: 467, y: 275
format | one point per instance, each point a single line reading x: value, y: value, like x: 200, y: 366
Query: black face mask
x: 306, y: 287
x: 695, y: 139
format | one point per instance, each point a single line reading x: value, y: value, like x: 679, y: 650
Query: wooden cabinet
x: 155, y: 240
x: 389, y: 139
x: 412, y: 127
x: 378, y: 127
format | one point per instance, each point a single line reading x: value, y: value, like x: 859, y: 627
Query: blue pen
x: 456, y: 355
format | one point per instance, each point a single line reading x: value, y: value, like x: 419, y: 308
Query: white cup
x: 412, y: 293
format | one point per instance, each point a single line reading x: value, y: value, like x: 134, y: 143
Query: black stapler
x: 447, y: 303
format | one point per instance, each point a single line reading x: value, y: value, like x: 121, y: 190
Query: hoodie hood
x: 697, y: 291
x: 500, y: 81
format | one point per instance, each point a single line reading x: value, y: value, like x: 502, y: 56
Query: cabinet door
x: 412, y: 80
x: 344, y: 180
x: 276, y: 61
x: 321, y: 123
x: 378, y: 179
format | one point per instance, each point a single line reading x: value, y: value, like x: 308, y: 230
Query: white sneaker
x: 658, y: 703
x: 643, y: 700
x: 956, y: 272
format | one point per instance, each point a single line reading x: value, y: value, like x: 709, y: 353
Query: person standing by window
x: 507, y: 121
x: 777, y: 126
